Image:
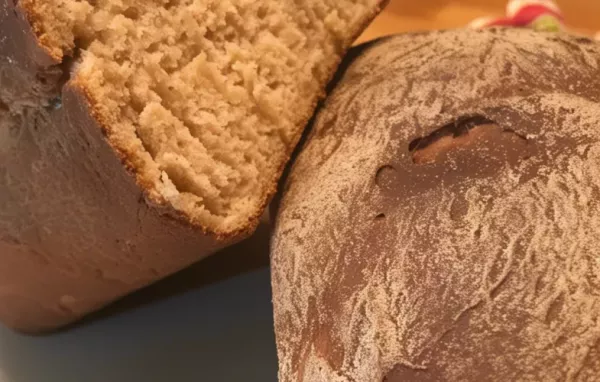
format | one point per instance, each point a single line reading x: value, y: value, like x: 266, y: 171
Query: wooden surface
x: 412, y: 15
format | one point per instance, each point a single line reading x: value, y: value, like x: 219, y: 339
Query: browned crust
x: 29, y: 13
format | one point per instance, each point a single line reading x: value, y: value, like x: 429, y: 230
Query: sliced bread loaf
x: 138, y: 136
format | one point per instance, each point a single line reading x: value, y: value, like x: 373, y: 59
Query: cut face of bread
x: 204, y: 100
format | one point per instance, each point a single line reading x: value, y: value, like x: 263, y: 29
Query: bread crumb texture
x: 466, y: 277
x: 204, y: 99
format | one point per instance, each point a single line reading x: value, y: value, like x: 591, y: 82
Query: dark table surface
x: 212, y: 322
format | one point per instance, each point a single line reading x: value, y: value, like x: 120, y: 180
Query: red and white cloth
x: 541, y: 15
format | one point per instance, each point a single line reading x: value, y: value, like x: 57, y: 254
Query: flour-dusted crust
x: 480, y: 266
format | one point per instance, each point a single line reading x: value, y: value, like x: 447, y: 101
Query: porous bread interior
x: 206, y: 99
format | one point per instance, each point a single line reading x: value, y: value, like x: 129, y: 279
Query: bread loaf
x: 442, y: 221
x: 139, y: 136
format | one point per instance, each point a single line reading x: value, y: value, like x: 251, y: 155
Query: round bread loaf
x: 442, y: 222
